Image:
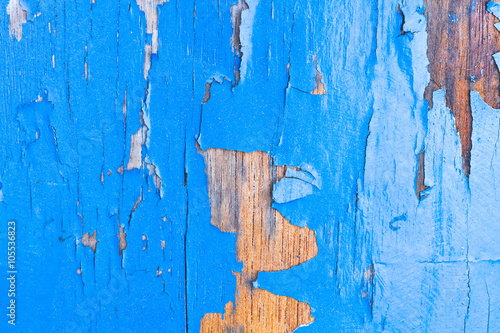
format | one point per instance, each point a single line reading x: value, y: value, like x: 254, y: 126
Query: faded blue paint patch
x: 306, y: 173
x: 484, y: 296
x: 484, y: 249
x: 439, y: 221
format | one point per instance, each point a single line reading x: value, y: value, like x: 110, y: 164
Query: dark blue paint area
x: 247, y: 116
x: 240, y: 110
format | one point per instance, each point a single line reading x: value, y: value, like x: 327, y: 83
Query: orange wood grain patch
x: 240, y: 191
x: 461, y: 42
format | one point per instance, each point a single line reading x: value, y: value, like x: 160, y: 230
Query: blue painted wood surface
x: 91, y: 141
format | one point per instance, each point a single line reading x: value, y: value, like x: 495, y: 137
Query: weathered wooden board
x: 249, y: 166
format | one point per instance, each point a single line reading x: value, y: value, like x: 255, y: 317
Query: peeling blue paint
x: 296, y: 184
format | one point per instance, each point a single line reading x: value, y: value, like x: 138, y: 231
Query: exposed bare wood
x: 240, y: 191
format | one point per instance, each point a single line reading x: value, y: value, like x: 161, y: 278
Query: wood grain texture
x: 461, y: 42
x: 240, y: 191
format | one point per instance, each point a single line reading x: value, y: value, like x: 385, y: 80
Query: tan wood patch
x: 240, y: 191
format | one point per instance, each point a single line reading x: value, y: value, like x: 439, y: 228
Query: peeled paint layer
x: 74, y: 97
x: 392, y: 261
x: 291, y: 189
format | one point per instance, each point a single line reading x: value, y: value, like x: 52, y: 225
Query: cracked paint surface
x: 119, y: 226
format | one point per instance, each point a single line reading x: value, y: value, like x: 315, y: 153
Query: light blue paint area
x: 306, y: 173
x: 417, y: 247
x: 402, y: 297
x: 300, y: 175
x: 438, y: 221
x: 296, y: 184
x: 483, y: 243
x: 494, y: 8
x: 60, y: 168
x: 473, y: 78
x: 496, y: 57
x: 484, y: 296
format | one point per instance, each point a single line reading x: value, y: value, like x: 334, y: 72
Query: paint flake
x: 122, y: 239
x: 90, y: 241
x: 136, y: 142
